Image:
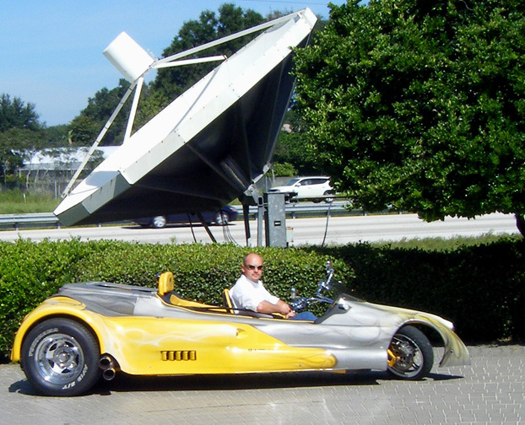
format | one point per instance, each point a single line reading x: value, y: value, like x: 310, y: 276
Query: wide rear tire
x: 60, y: 358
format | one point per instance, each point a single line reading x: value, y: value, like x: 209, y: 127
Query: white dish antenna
x: 209, y: 146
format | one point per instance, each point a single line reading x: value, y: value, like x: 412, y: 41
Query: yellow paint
x: 170, y: 346
x: 218, y: 347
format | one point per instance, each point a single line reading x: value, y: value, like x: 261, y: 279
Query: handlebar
x: 301, y: 303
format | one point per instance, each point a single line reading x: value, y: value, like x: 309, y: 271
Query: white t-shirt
x: 247, y: 295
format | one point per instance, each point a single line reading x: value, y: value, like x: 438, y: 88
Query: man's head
x: 252, y: 267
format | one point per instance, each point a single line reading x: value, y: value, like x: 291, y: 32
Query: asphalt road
x: 489, y: 391
x: 300, y: 231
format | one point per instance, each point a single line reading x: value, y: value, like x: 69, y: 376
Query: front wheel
x: 410, y: 354
x: 221, y: 218
x: 60, y: 358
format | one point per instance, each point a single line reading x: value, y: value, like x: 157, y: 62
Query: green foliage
x: 480, y: 287
x: 292, y: 148
x: 420, y: 104
x: 30, y: 272
x: 172, y: 82
x: 57, y: 136
x: 19, y: 130
x: 85, y: 128
x: 17, y: 202
x: 15, y: 113
x: 283, y: 169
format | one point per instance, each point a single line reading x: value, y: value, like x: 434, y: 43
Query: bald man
x: 249, y: 293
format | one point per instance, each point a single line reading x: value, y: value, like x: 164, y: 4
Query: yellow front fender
x: 59, y: 307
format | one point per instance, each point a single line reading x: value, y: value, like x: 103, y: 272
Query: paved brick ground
x: 491, y: 390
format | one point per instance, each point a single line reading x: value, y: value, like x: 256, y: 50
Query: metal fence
x: 293, y: 210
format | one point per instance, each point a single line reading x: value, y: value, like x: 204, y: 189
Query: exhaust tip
x: 109, y: 374
x: 106, y: 362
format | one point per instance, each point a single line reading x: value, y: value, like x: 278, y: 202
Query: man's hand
x: 291, y: 314
x: 281, y: 307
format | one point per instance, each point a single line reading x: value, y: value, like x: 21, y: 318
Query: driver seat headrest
x: 166, y: 283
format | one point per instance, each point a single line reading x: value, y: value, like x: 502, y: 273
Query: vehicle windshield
x: 291, y: 182
x: 339, y: 289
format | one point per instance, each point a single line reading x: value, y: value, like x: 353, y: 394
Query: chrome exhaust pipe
x: 109, y: 374
x: 108, y: 366
x: 106, y: 362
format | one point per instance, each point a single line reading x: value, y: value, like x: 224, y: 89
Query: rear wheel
x: 60, y: 358
x: 221, y: 218
x: 410, y: 354
x: 329, y: 199
x: 158, y: 222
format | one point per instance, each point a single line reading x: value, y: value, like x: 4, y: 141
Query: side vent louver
x: 178, y: 355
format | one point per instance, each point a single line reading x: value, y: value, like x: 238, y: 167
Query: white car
x: 314, y: 188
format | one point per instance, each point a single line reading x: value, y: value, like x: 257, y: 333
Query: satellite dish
x: 209, y: 146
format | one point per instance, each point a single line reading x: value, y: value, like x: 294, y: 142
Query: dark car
x: 220, y: 218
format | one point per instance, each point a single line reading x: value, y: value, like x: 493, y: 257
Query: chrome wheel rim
x: 59, y: 358
x: 159, y: 221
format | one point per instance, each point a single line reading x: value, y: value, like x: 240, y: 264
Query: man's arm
x: 281, y: 307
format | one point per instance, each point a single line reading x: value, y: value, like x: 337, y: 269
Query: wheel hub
x: 65, y: 356
x: 59, y: 358
x: 404, y: 355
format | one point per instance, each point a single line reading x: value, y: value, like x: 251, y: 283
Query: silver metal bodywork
x: 355, y: 332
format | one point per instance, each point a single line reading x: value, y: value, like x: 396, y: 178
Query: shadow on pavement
x: 127, y: 383
x: 124, y: 383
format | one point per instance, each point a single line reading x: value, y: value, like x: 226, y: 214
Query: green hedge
x: 480, y: 288
x: 30, y: 272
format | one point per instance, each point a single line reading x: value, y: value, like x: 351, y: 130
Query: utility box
x: 275, y: 219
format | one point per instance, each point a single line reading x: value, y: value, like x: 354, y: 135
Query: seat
x: 227, y: 301
x: 168, y: 295
x: 166, y: 283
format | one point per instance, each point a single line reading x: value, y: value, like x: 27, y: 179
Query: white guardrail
x: 17, y: 221
x: 293, y: 210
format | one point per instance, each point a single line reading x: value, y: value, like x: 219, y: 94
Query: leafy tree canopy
x: 13, y: 143
x: 231, y: 19
x: 15, y: 113
x: 85, y: 127
x: 20, y: 130
x: 420, y: 104
x: 170, y: 82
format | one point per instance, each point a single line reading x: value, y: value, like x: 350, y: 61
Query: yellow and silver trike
x: 95, y: 329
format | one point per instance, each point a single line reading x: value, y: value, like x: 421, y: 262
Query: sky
x: 51, y: 50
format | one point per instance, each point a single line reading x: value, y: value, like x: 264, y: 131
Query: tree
x: 85, y: 127
x: 57, y: 135
x: 15, y: 113
x: 174, y: 81
x: 20, y: 131
x: 169, y: 83
x: 14, y: 143
x: 420, y: 104
x: 290, y: 149
x: 83, y: 130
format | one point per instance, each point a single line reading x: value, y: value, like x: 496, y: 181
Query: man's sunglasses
x: 252, y: 267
